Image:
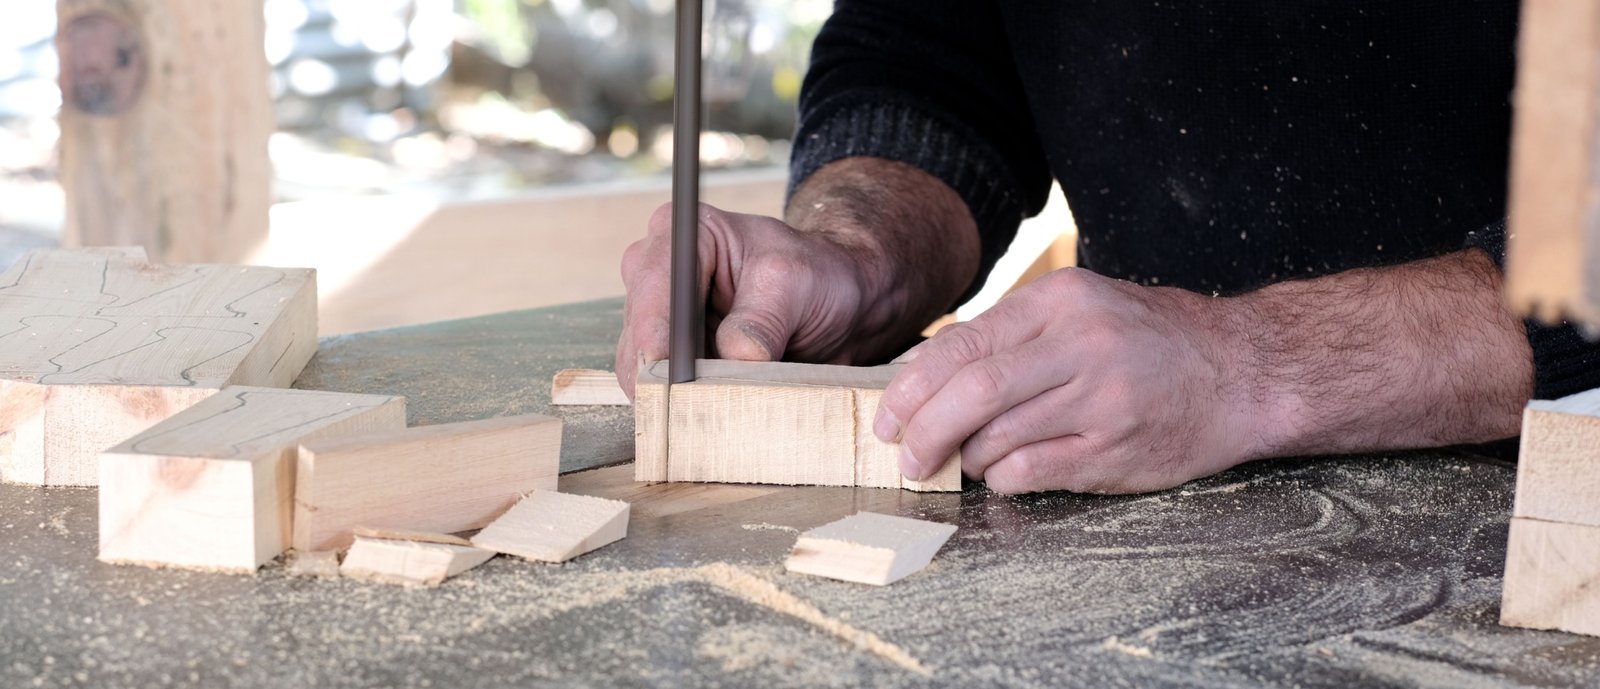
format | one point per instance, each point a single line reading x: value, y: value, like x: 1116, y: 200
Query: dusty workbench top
x: 1360, y: 571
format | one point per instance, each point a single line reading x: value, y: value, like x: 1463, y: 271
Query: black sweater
x: 1213, y: 145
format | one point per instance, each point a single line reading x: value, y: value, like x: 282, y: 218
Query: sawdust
x: 1112, y: 643
x: 763, y: 526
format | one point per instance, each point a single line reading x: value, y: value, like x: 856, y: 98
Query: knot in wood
x: 103, y: 63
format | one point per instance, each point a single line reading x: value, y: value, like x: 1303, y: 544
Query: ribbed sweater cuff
x: 879, y: 127
x: 1564, y: 362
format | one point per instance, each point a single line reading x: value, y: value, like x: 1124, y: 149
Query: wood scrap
x: 442, y: 478
x: 868, y: 548
x: 98, y: 345
x: 213, y: 486
x: 1551, y: 569
x: 555, y: 527
x: 409, y: 563
x: 586, y: 386
x: 772, y: 423
x: 649, y: 500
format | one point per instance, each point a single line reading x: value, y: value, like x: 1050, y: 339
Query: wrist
x: 911, y: 242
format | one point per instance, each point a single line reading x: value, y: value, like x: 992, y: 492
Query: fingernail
x: 886, y: 426
x: 909, y: 466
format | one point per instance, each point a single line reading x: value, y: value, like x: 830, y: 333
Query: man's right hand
x: 770, y: 290
x: 876, y: 251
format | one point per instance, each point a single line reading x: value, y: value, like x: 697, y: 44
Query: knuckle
x: 661, y: 219
x: 963, y: 342
x: 983, y: 385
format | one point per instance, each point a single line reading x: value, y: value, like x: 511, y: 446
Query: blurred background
x: 456, y: 99
x: 437, y: 159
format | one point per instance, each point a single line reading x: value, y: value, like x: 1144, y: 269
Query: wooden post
x: 165, y: 117
x: 1553, y: 258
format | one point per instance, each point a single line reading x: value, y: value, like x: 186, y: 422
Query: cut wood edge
x: 323, y: 564
x: 868, y: 548
x: 409, y: 563
x: 548, y: 526
x: 586, y: 386
x: 414, y: 536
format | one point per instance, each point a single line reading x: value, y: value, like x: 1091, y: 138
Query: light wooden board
x: 1551, y: 571
x: 442, y: 478
x: 1553, y: 257
x: 586, y: 386
x: 1558, y: 468
x: 97, y: 345
x: 868, y: 548
x: 405, y: 535
x: 555, y: 527
x: 213, y: 486
x: 771, y: 423
x: 165, y: 118
x: 409, y: 563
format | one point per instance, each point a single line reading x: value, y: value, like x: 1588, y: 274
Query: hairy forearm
x: 1417, y: 355
x: 913, y: 238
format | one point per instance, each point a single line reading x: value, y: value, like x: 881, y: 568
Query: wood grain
x: 442, y: 478
x: 409, y: 563
x: 1552, y: 576
x: 164, y: 124
x: 555, y: 527
x: 1553, y: 253
x: 586, y: 386
x: 1558, y: 466
x: 771, y: 423
x: 213, y: 486
x: 868, y: 548
x: 97, y: 345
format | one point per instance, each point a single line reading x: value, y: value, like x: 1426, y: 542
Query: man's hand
x: 872, y: 251
x: 772, y: 291
x: 1077, y: 382
x: 1083, y: 383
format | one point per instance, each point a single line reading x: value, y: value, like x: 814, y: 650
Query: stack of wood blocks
x: 1553, y: 556
x: 97, y: 345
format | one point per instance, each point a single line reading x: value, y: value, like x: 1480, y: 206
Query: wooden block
x: 555, y: 527
x: 443, y: 478
x: 580, y: 386
x: 213, y: 486
x: 165, y: 116
x: 1553, y: 252
x: 773, y: 423
x: 868, y: 548
x: 1558, y: 470
x: 1551, y: 570
x: 409, y: 563
x: 97, y: 345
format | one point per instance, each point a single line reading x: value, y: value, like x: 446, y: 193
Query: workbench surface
x: 1361, y: 571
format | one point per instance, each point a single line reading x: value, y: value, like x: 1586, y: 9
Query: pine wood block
x: 585, y: 386
x: 409, y: 563
x: 771, y: 423
x: 868, y: 548
x: 1558, y: 470
x: 97, y: 345
x: 213, y: 487
x: 555, y: 527
x: 1553, y: 244
x: 1551, y: 574
x: 442, y: 478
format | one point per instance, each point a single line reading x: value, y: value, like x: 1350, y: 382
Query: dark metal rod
x: 687, y: 341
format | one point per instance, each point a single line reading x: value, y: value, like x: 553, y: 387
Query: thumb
x: 759, y: 324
